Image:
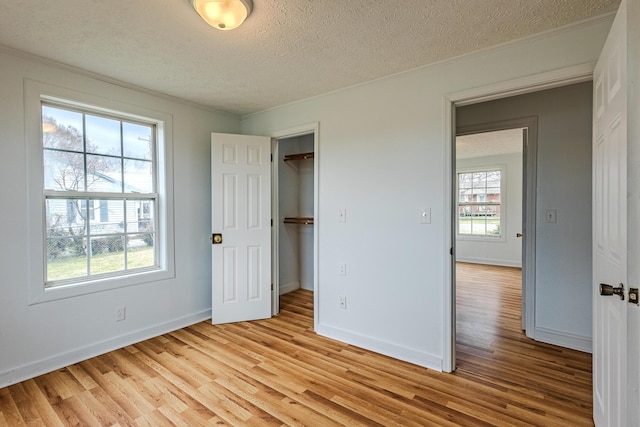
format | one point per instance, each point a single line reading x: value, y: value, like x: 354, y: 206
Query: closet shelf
x: 299, y: 156
x: 304, y: 220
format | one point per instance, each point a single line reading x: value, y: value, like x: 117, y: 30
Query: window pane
x: 478, y: 226
x: 493, y: 195
x: 138, y: 176
x: 464, y: 220
x: 61, y: 129
x: 64, y: 217
x: 140, y: 250
x: 479, y: 179
x: 104, y: 174
x: 66, y: 259
x: 465, y: 180
x: 493, y: 222
x: 103, y: 135
x: 66, y: 239
x: 140, y: 216
x: 107, y: 254
x: 63, y: 170
x: 493, y: 179
x: 137, y: 141
x: 113, y: 220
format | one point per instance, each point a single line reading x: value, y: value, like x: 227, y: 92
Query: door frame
x: 534, y: 83
x: 305, y: 129
x: 529, y: 184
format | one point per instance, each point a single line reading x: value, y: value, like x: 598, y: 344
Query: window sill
x: 98, y: 285
x: 490, y: 239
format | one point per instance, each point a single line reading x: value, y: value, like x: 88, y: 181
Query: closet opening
x: 294, y: 207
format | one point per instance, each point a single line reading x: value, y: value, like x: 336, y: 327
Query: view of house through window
x: 99, y: 193
x: 479, y: 203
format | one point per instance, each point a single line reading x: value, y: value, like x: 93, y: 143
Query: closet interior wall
x: 295, y: 200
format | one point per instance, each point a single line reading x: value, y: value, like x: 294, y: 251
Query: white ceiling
x: 287, y: 50
x: 489, y: 143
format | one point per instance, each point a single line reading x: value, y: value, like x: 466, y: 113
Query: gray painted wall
x: 563, y: 251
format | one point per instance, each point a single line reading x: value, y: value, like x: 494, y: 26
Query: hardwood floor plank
x: 10, y: 415
x: 26, y: 408
x: 279, y: 372
x: 490, y: 343
x: 47, y: 415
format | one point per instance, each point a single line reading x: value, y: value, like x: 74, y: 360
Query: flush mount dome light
x: 223, y: 14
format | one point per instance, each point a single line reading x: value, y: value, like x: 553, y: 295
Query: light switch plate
x: 551, y: 216
x: 342, y: 215
x: 425, y: 216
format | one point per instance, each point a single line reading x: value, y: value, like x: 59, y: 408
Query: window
x: 480, y: 203
x: 94, y: 160
x: 100, y: 192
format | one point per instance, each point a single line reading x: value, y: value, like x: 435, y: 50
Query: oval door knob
x: 216, y: 238
x: 607, y: 290
x: 518, y: 234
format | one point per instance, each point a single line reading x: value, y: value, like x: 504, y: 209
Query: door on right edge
x: 610, y: 228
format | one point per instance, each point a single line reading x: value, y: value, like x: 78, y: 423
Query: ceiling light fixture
x: 223, y: 14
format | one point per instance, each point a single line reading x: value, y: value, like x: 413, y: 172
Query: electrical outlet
x: 342, y: 270
x: 342, y: 302
x: 121, y: 313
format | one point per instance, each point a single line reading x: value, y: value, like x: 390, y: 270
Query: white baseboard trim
x: 289, y: 287
x: 564, y: 339
x: 50, y: 364
x: 383, y: 347
x: 498, y: 262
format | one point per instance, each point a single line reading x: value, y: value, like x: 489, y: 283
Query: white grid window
x: 100, y: 197
x: 480, y: 203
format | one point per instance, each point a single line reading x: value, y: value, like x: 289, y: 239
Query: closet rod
x: 299, y: 220
x: 299, y: 156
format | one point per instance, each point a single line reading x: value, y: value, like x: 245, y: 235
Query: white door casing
x: 610, y: 227
x: 241, y: 212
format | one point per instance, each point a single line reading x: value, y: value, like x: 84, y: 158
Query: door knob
x: 607, y: 290
x: 216, y: 239
x: 518, y: 234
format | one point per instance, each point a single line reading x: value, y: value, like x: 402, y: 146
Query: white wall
x: 383, y: 156
x: 43, y: 337
x: 563, y: 249
x: 508, y: 250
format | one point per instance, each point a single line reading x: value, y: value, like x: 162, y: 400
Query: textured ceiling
x: 489, y: 144
x: 287, y: 50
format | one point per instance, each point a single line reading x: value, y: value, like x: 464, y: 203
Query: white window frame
x: 503, y: 203
x: 37, y: 92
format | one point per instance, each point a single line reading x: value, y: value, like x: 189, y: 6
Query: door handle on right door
x: 518, y: 235
x: 606, y: 290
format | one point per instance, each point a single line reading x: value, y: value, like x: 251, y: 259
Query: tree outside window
x: 104, y: 164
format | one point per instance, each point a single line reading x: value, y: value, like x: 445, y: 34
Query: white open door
x: 241, y: 226
x: 610, y: 229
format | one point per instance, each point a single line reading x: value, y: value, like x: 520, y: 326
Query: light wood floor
x: 491, y: 343
x: 279, y: 372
